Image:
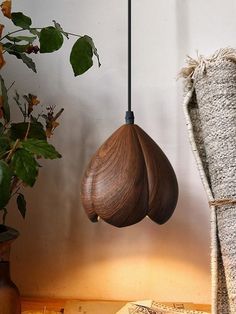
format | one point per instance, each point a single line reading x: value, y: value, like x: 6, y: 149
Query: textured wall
x: 60, y: 253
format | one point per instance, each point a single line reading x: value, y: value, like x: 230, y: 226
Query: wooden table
x: 34, y: 304
x: 39, y: 304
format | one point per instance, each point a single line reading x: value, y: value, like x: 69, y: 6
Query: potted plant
x: 23, y: 143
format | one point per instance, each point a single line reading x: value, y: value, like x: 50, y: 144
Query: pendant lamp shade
x: 128, y: 178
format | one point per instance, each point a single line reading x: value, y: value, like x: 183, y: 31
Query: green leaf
x: 95, y: 51
x: 13, y: 39
x: 16, y: 39
x: 50, y: 39
x: 18, y: 51
x: 12, y: 48
x: 18, y: 131
x: 81, y: 56
x: 21, y: 20
x: 21, y: 204
x: 4, y: 145
x: 3, y: 93
x: 5, y: 183
x: 29, y: 62
x: 40, y: 148
x: 58, y: 26
x: 25, y: 166
x: 34, y: 32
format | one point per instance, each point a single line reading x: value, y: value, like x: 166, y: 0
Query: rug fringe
x: 200, y: 63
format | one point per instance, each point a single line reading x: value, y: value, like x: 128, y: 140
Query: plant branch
x: 16, y: 191
x: 35, y: 29
x: 12, y: 151
x: 72, y: 34
x: 7, y: 152
x: 11, y: 86
x: 11, y: 33
x: 25, y: 109
x: 4, y: 216
x: 27, y: 131
x: 6, y: 125
x: 14, y: 183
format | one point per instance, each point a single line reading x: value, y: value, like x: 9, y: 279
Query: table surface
x: 40, y: 304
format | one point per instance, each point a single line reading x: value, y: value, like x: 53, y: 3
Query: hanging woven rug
x: 210, y: 110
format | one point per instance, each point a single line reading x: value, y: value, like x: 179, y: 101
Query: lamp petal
x: 118, y: 185
x: 163, y: 186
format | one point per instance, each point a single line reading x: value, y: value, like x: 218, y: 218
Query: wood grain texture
x: 163, y: 186
x: 39, y: 304
x: 128, y: 178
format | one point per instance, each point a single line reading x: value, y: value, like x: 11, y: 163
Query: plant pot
x: 9, y: 293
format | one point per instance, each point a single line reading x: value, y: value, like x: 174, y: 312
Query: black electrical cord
x: 129, y: 55
x: 129, y: 118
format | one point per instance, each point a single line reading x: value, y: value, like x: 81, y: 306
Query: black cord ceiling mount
x: 129, y: 177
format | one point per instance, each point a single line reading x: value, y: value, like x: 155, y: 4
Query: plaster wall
x: 60, y: 253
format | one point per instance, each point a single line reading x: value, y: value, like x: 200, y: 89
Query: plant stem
x: 4, y: 216
x: 25, y: 114
x: 35, y: 29
x: 11, y: 33
x: 7, y: 152
x: 14, y: 148
x: 6, y: 125
x: 11, y: 86
x: 16, y: 191
x: 72, y: 34
x: 14, y: 183
x: 27, y: 131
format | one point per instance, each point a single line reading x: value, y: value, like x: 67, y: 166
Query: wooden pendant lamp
x: 129, y: 177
